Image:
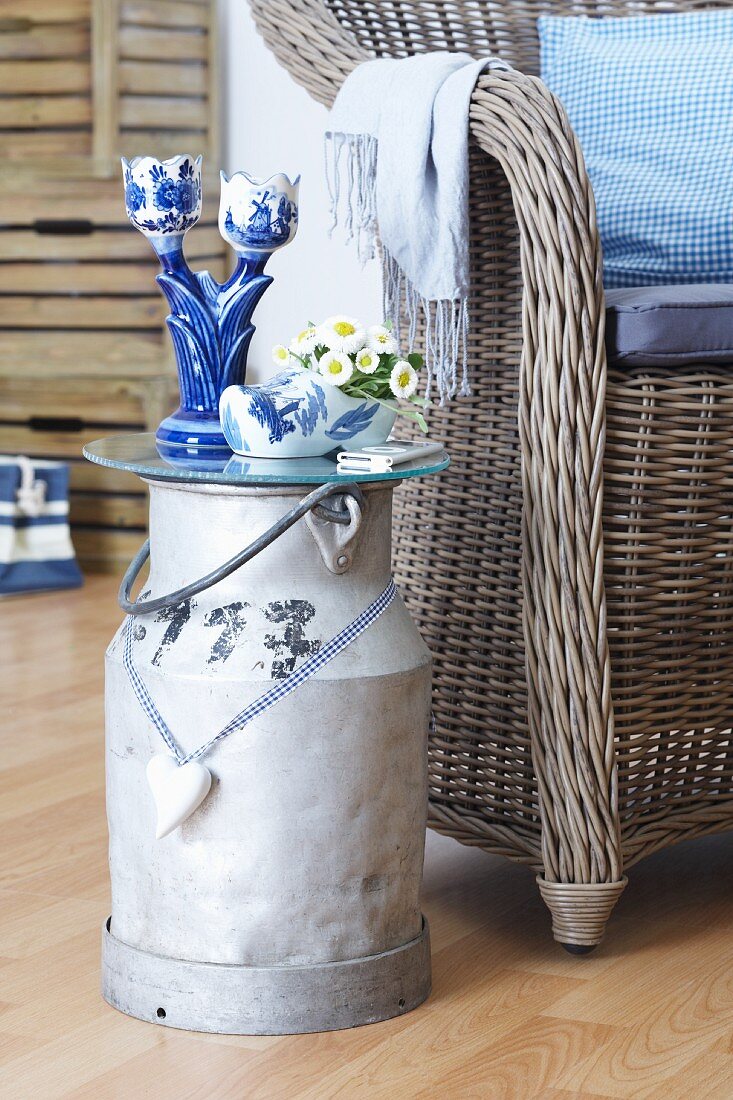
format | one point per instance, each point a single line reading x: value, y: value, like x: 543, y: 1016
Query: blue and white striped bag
x: 36, y: 552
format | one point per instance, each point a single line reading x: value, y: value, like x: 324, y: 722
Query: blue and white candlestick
x: 210, y: 322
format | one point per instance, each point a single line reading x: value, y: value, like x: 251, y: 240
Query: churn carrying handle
x: 307, y: 504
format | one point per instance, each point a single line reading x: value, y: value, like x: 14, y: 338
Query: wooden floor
x: 649, y: 1015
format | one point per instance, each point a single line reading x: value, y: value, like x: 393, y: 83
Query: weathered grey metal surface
x: 275, y: 1000
x: 309, y: 848
x: 349, y: 497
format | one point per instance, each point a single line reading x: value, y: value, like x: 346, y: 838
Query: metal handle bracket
x: 335, y: 542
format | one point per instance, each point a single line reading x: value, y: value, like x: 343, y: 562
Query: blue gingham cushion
x: 651, y: 99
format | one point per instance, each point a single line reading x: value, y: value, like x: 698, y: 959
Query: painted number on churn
x: 290, y: 644
x: 176, y: 617
x: 232, y: 621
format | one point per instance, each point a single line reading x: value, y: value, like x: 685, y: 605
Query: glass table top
x: 138, y: 453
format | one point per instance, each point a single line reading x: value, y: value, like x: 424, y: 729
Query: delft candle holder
x: 210, y: 322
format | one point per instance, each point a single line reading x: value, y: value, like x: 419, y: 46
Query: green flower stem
x: 411, y: 414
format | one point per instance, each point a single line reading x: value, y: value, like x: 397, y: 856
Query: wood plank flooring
x: 649, y: 1016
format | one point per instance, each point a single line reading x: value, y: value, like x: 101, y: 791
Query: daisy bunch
x: 362, y: 361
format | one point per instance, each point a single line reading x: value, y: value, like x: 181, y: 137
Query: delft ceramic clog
x: 297, y: 415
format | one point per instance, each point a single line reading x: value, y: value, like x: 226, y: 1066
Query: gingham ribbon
x: 277, y: 692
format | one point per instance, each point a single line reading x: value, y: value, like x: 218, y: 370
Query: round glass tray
x: 138, y: 454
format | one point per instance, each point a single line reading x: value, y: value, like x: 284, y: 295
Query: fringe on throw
x: 351, y: 177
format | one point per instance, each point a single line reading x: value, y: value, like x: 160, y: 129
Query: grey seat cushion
x: 651, y: 326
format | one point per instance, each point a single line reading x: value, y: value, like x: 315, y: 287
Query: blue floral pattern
x: 189, y: 194
x: 178, y: 200
x: 352, y: 422
x: 165, y: 190
x: 134, y: 195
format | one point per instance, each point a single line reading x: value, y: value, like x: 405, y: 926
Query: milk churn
x: 288, y: 900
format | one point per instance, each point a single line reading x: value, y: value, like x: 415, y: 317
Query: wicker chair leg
x: 580, y: 911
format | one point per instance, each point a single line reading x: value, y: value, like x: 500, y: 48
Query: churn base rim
x: 268, y: 1000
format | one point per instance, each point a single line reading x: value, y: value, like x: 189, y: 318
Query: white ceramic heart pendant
x: 178, y: 790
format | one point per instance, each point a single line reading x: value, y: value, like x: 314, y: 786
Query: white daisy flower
x: 382, y: 340
x: 367, y: 360
x: 305, y: 341
x: 403, y: 379
x: 336, y: 367
x: 342, y: 334
x: 280, y: 355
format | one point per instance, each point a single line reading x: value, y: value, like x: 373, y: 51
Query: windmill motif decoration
x: 262, y: 230
x: 210, y: 323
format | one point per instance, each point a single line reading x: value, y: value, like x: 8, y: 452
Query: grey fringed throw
x: 397, y: 167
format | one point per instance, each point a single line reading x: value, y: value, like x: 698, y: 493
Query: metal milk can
x: 288, y: 901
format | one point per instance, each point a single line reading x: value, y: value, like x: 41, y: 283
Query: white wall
x: 272, y: 124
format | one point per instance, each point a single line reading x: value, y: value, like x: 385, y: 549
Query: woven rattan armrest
x: 516, y: 121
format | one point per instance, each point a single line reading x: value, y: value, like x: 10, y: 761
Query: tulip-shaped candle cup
x: 210, y: 323
x: 163, y: 199
x: 258, y: 217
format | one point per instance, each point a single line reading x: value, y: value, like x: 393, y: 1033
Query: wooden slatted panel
x: 56, y: 417
x: 121, y: 510
x: 166, y: 143
x: 27, y: 41
x: 162, y: 78
x: 106, y: 401
x: 154, y: 43
x: 82, y: 82
x: 87, y: 477
x: 22, y: 112
x: 32, y: 145
x: 115, y: 243
x: 164, y: 13
x: 104, y: 88
x: 105, y: 549
x: 143, y: 112
x: 18, y: 277
x: 72, y: 278
x: 49, y: 78
x: 100, y: 279
x: 59, y: 312
x: 138, y: 354
x: 45, y: 80
x: 44, y: 11
x: 97, y: 201
x: 52, y: 443
x: 165, y: 78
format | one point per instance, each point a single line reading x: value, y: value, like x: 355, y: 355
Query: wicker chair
x: 573, y: 573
